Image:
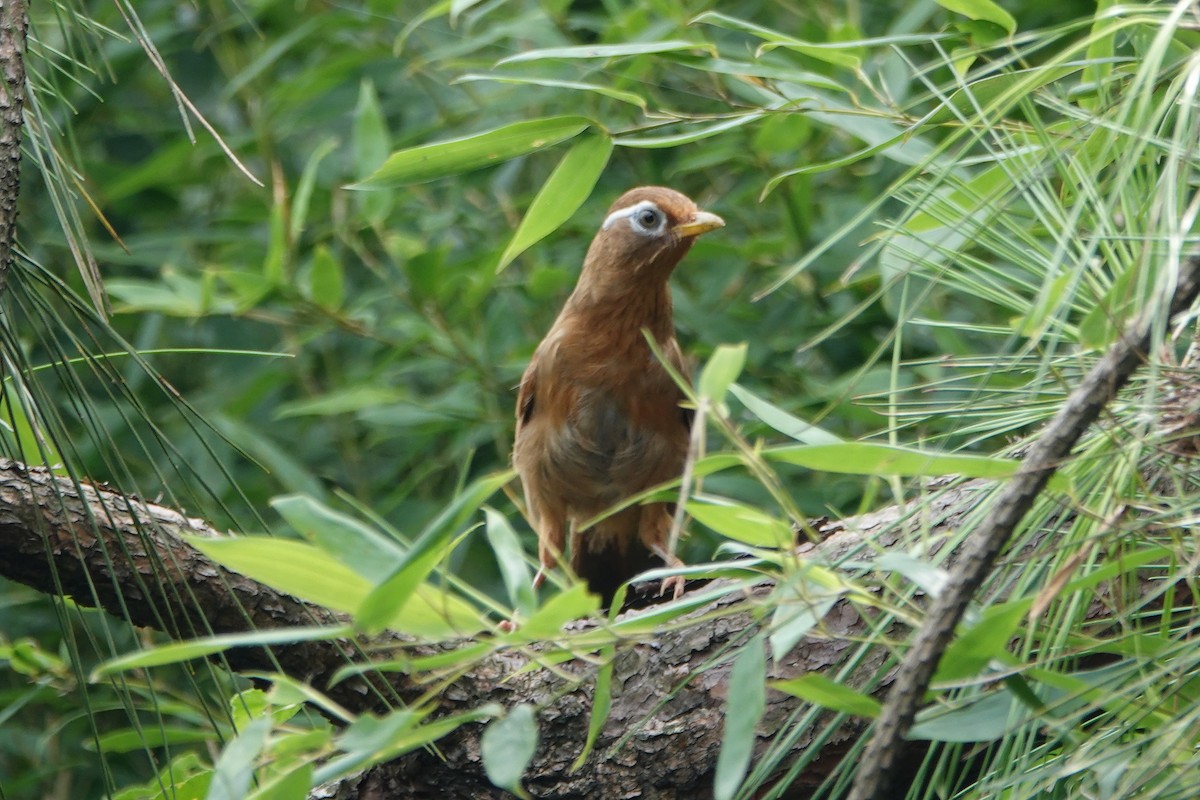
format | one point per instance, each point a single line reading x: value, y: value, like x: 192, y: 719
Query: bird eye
x: 647, y: 218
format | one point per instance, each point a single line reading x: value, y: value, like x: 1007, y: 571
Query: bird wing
x: 525, y: 394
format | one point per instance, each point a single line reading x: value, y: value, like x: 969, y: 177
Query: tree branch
x: 13, y: 23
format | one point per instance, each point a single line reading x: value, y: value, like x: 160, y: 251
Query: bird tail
x: 611, y: 552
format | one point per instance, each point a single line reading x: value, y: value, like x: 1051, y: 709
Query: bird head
x: 647, y: 231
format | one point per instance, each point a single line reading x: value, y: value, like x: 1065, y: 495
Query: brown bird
x: 598, y: 417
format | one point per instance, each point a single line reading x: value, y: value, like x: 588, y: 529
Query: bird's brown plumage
x: 598, y: 417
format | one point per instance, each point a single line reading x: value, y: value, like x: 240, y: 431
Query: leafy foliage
x: 937, y: 215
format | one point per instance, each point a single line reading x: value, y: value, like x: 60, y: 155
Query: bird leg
x: 673, y: 582
x: 552, y: 538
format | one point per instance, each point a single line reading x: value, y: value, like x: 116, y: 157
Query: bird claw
x: 540, y: 578
x: 676, y: 582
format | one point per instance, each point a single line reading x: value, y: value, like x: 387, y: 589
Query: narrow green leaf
x: 435, y: 613
x: 609, y: 51
x: 382, y: 606
x: 441, y: 159
x: 326, y: 282
x: 200, y: 648
x: 996, y: 95
x: 354, y: 543
x: 982, y: 9
x: 370, y: 144
x: 982, y: 719
x: 601, y: 702
x: 548, y: 621
x: 829, y: 694
x: 741, y: 522
x: 561, y: 195
x: 744, y: 705
x: 371, y: 740
x: 294, y: 784
x: 984, y: 641
x: 275, y: 263
x: 297, y: 568
x: 235, y: 768
x: 795, y: 617
x: 511, y: 558
x: 721, y: 370
x: 782, y: 421
x: 866, y: 458
x: 344, y: 401
x: 302, y: 197
x: 837, y: 53
x: 552, y: 83
x: 691, y: 133
x: 508, y: 745
x: 925, y: 574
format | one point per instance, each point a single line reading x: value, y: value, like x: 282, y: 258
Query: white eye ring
x: 645, y: 218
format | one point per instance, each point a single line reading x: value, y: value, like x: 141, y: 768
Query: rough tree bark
x: 13, y: 24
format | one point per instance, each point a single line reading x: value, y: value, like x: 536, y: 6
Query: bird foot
x: 675, y: 583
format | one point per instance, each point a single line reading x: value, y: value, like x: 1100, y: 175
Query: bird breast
x: 603, y: 453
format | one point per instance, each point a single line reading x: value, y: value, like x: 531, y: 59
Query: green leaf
x: 829, y: 694
x: 296, y: 568
x: 741, y: 522
x: 798, y: 613
x: 982, y: 719
x: 548, y: 621
x: 441, y: 159
x: 609, y: 51
x: 201, y: 648
x: 371, y: 740
x: 302, y: 197
x: 601, y: 701
x: 354, y: 543
x: 551, y: 83
x: 982, y: 9
x: 561, y: 195
x: 435, y: 613
x: 130, y: 740
x: 722, y: 369
x: 294, y: 784
x: 782, y: 421
x: 839, y: 53
x: 354, y: 398
x: 383, y: 605
x: 866, y: 458
x: 511, y: 558
x: 984, y: 641
x: 746, y: 700
x: 326, y: 283
x: 925, y: 574
x: 691, y: 133
x: 370, y: 143
x: 507, y: 747
x: 235, y: 768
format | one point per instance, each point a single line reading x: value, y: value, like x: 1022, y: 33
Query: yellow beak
x: 702, y: 222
